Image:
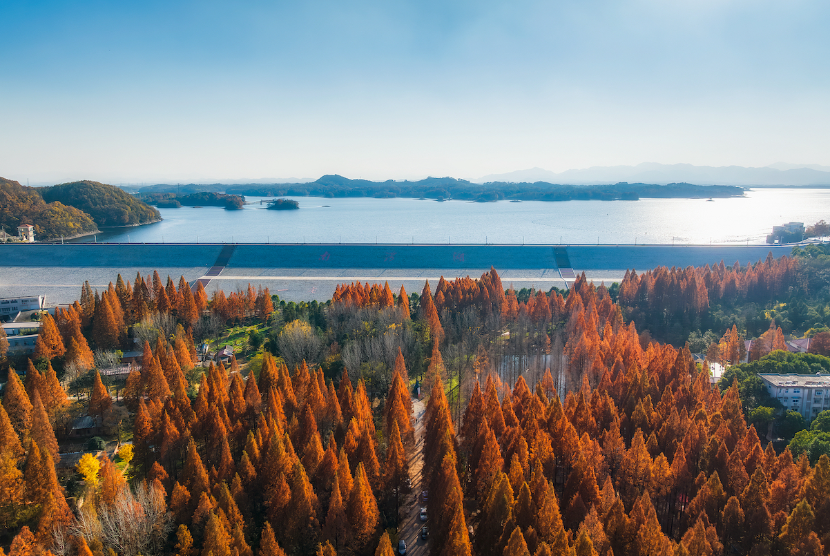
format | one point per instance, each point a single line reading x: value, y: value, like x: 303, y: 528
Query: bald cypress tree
x: 398, y: 406
x: 363, y: 511
x: 384, y: 546
x: 17, y: 404
x: 105, y: 329
x: 78, y: 351
x: 11, y: 479
x: 34, y: 381
x: 41, y: 431
x: 516, y: 545
x: 337, y: 528
x: 23, y: 544
x: 303, y: 521
x: 54, y: 397
x: 396, y: 467
x: 403, y: 303
x: 9, y: 439
x: 430, y: 314
x: 49, y: 343
x: 188, y: 310
x: 157, y: 387
x: 100, y: 401
x: 217, y: 540
x: 268, y: 543
x: 489, y: 465
x: 200, y: 298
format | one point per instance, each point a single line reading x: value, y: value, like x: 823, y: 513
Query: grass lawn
x: 237, y: 337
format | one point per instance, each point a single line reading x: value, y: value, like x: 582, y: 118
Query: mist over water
x: 367, y: 220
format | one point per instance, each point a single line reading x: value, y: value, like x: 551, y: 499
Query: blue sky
x: 176, y: 91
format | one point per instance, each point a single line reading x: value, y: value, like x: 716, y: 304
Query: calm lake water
x: 367, y: 220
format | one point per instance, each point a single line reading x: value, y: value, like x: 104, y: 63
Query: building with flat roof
x: 22, y: 336
x: 807, y: 394
x: 10, y: 307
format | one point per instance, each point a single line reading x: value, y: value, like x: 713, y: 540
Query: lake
x: 368, y: 220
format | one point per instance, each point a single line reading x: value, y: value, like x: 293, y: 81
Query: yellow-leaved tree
x: 88, y: 467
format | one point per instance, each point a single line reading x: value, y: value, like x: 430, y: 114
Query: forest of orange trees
x: 530, y: 423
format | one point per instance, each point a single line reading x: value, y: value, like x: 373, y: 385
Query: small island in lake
x: 283, y: 204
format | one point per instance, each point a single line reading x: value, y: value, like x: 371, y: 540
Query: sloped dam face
x: 311, y: 271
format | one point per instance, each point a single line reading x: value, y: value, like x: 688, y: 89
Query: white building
x: 807, y: 394
x: 21, y: 336
x: 26, y: 232
x: 11, y: 306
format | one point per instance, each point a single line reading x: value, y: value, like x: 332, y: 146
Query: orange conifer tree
x: 17, y: 404
x: 78, y: 351
x: 268, y: 543
x: 41, y: 431
x: 217, y: 540
x: 100, y: 401
x: 337, y: 528
x: 9, y: 440
x: 105, y: 328
x: 384, y: 546
x: 403, y: 303
x: 49, y: 343
x: 430, y: 314
x: 363, y: 511
x: 157, y: 387
x: 54, y: 397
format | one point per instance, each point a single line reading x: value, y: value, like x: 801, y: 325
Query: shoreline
x: 100, y: 230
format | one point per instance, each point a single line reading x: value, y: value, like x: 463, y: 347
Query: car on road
x: 423, y: 514
x: 424, y: 532
x: 401, y: 546
x: 424, y: 496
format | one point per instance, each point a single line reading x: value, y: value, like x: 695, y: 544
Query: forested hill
x: 106, y: 204
x: 24, y: 205
x: 451, y: 188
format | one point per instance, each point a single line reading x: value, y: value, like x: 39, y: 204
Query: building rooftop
x: 20, y: 325
x: 818, y: 379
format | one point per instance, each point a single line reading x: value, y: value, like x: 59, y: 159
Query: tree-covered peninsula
x: 20, y: 205
x: 106, y: 204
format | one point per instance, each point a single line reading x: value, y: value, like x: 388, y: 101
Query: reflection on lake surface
x: 367, y: 220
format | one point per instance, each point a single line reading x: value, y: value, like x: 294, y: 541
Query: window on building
x: 796, y: 391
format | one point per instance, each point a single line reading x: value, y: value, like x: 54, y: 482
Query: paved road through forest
x: 410, y: 526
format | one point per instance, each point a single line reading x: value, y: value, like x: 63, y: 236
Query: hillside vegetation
x: 201, y: 199
x: 24, y: 205
x: 106, y: 204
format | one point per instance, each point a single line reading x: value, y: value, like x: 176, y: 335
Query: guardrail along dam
x: 311, y: 271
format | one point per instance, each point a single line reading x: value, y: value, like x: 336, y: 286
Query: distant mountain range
x: 779, y: 174
x: 445, y: 188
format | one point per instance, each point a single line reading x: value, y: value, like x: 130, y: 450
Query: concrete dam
x: 311, y: 271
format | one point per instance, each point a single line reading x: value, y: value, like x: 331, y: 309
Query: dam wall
x: 303, y: 272
x: 110, y: 255
x: 395, y: 256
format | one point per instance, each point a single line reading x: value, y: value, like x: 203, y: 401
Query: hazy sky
x: 174, y: 91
